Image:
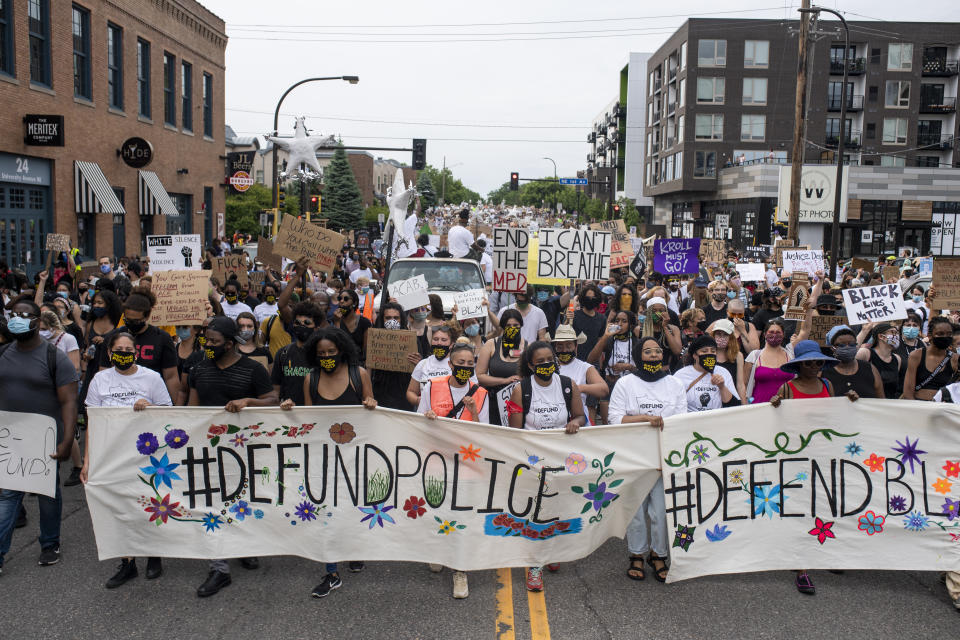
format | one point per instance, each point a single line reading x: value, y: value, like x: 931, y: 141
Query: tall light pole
x: 554, y: 183
x: 835, y: 228
x: 443, y: 180
x: 276, y: 125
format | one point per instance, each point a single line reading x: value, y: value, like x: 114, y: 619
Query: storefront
x: 26, y: 210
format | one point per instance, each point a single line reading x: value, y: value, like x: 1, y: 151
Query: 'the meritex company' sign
x: 818, y: 185
x: 136, y: 152
x: 43, y: 130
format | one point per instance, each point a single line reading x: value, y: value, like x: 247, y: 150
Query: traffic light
x: 419, y: 154
x: 281, y: 196
x: 315, y: 204
x: 514, y: 181
x: 616, y: 210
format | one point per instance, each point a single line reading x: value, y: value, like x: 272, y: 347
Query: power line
x: 346, y: 135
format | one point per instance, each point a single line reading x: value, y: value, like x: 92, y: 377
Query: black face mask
x: 462, y: 374
x: 651, y: 371
x: 122, y: 360
x: 136, y: 326
x: 545, y: 371
x: 511, y: 336
x: 215, y: 353
x: 565, y: 358
x: 590, y: 303
x: 708, y: 361
x: 440, y: 352
x: 942, y: 342
x: 302, y: 333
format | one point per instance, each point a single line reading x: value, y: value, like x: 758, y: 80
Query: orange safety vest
x: 441, y: 399
x: 368, y: 306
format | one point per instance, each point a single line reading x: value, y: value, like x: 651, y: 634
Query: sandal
x: 635, y: 572
x: 660, y: 573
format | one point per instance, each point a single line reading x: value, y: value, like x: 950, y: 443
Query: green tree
x: 452, y: 190
x: 428, y: 195
x: 505, y: 195
x: 370, y: 215
x: 243, y: 209
x: 342, y: 202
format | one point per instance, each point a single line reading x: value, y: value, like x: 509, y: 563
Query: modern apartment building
x: 721, y: 95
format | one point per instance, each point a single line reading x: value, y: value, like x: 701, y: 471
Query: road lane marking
x: 504, y: 604
x: 539, y: 626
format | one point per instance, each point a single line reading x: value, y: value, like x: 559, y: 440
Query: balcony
x: 591, y: 137
x: 938, y: 105
x: 657, y: 84
x: 854, y: 103
x: 934, y: 141
x: 939, y: 67
x: 591, y: 157
x: 851, y: 140
x: 855, y: 67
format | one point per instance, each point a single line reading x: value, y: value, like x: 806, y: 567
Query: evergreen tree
x: 428, y: 195
x: 342, y: 202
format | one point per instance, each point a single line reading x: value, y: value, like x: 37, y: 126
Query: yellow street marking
x: 504, y: 602
x: 539, y: 627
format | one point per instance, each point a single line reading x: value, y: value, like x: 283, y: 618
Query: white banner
x: 169, y: 253
x: 815, y: 484
x: 26, y: 442
x: 751, y: 271
x: 345, y: 483
x: 878, y: 303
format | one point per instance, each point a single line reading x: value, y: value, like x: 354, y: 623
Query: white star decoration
x: 302, y: 149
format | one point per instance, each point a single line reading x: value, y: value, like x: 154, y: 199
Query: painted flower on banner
x: 414, y: 506
x: 258, y: 514
x: 822, y: 531
x: 597, y: 493
x: 160, y: 510
x: 766, y: 500
x: 505, y: 526
x: 898, y: 503
x: 700, y: 453
x: 909, y: 452
x: 801, y: 476
x: 377, y: 514
x: 853, y: 449
x: 342, y: 433
x: 951, y: 508
x: 211, y: 522
x: 239, y: 440
x: 161, y: 471
x: 470, y: 453
x: 306, y: 511
x: 176, y: 438
x: 147, y: 444
x: 718, y: 533
x: 942, y: 486
x: 871, y: 523
x: 241, y: 510
x: 683, y: 537
x: 874, y: 462
x: 736, y: 476
x: 952, y: 468
x: 915, y: 521
x: 575, y: 463
x: 448, y: 526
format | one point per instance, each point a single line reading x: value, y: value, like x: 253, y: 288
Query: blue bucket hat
x: 804, y: 351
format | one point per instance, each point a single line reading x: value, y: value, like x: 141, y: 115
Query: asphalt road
x: 588, y: 599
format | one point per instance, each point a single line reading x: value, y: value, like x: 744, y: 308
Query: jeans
x: 639, y: 539
x: 331, y: 567
x: 50, y: 512
x: 223, y: 566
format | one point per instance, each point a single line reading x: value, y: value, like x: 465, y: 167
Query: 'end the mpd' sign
x: 818, y: 185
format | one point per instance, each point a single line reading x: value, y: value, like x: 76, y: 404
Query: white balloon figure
x: 302, y: 149
x: 398, y: 199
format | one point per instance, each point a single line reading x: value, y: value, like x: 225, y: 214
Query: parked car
x: 445, y: 277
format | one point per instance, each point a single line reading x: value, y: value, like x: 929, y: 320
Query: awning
x: 93, y: 193
x: 154, y: 199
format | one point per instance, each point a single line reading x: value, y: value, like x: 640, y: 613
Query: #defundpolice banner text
x: 345, y: 483
x: 813, y: 484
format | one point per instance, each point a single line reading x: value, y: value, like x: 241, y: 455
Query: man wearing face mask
x: 534, y: 319
x: 40, y: 379
x: 120, y: 282
x: 290, y: 364
x: 717, y: 309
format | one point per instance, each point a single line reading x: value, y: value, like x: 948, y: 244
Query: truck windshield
x: 440, y: 275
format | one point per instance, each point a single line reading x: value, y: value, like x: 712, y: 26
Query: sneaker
x: 216, y: 580
x: 127, y: 571
x: 460, y: 589
x: 49, y: 556
x: 154, y: 568
x: 74, y: 478
x: 436, y: 568
x: 535, y: 579
x: 330, y: 582
x: 21, y: 519
x: 250, y: 563
x: 356, y: 566
x: 805, y: 584
x: 553, y: 567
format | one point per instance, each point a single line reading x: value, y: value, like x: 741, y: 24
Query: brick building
x: 125, y: 100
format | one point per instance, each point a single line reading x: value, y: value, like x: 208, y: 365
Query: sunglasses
x: 26, y: 315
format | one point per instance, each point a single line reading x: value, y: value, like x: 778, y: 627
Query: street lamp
x: 554, y: 182
x: 835, y: 228
x: 276, y: 125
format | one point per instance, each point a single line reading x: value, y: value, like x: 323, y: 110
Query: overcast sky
x: 426, y: 65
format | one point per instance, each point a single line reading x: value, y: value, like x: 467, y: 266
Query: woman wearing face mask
x: 70, y: 316
x: 851, y: 374
x: 730, y: 357
x: 588, y: 379
x: 351, y: 322
x: 690, y: 322
x: 103, y: 317
x: 648, y: 396
x: 391, y: 386
x: 435, y: 365
x: 931, y: 368
x: 52, y: 331
x: 763, y: 372
x: 547, y: 401
x: 232, y: 305
x: 656, y: 325
x: 470, y: 327
x: 249, y: 342
x: 497, y: 361
x: 917, y: 304
x: 417, y: 321
x: 885, y: 339
x: 625, y: 299
x: 125, y: 384
x: 268, y: 308
x: 707, y: 387
x: 909, y: 337
x: 337, y: 379
x: 613, y: 353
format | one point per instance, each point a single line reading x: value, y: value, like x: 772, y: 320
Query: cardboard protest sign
x: 510, y: 248
x: 174, y: 252
x: 26, y: 442
x: 266, y: 255
x: 181, y: 297
x: 946, y: 283
x: 256, y: 279
x: 621, y: 251
x: 816, y: 491
x: 713, y: 252
x: 798, y: 295
x: 298, y: 238
x: 226, y: 266
x: 573, y: 254
x: 387, y: 349
x: 820, y: 325
x: 470, y: 304
x: 860, y: 263
x: 676, y: 256
x: 757, y: 252
x: 807, y: 260
x: 410, y: 293
x: 58, y: 242
x: 874, y: 304
x: 751, y: 271
x: 891, y: 274
x: 503, y: 396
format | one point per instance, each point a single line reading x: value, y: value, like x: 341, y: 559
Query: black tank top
x: 938, y: 381
x: 349, y: 396
x: 860, y: 381
x: 731, y: 367
x: 889, y: 373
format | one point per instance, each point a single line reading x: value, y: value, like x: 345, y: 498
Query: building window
x: 833, y: 130
x: 6, y: 37
x: 678, y: 165
x: 709, y: 126
x: 754, y: 91
x: 898, y: 94
x: 683, y: 56
x: 705, y: 164
x: 143, y: 77
x: 712, y: 53
x: 899, y: 57
x: 169, y: 89
x: 208, y: 105
x: 894, y: 131
x: 753, y: 127
x: 928, y: 161
x: 38, y: 20
x: 756, y: 53
x: 873, y: 93
x: 81, y: 53
x: 186, y: 92
x: 681, y: 91
x: 668, y: 170
x: 115, y: 65
x: 871, y: 130
x: 680, y: 130
x: 710, y: 90
x: 893, y: 161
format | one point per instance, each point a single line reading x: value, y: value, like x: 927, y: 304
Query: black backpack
x: 526, y: 395
x: 51, y: 359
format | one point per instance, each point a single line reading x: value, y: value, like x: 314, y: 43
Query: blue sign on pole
x: 582, y: 182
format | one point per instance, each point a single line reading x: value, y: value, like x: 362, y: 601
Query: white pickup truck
x: 445, y: 277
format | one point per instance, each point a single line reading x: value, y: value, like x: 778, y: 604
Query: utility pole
x: 796, y: 160
x: 443, y: 182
